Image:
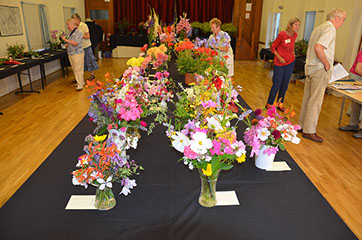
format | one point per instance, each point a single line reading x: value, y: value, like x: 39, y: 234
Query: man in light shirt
x: 318, y: 70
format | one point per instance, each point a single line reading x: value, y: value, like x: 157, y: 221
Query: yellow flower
x: 100, y: 138
x: 241, y: 159
x: 208, y: 171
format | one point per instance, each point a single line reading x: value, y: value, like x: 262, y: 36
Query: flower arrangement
x: 194, y: 58
x: 202, y: 130
x: 135, y: 61
x: 157, y: 56
x: 101, y: 165
x: 152, y: 25
x: 183, y: 27
x: 272, y: 130
x: 55, y: 38
x: 167, y: 35
x: 15, y: 50
x: 102, y: 160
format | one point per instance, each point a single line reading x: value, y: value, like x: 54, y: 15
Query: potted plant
x: 206, y: 29
x: 196, y: 27
x: 229, y: 28
x: 15, y: 50
x: 301, y: 48
x: 123, y: 26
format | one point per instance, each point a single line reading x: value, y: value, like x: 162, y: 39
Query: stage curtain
x: 137, y: 11
x: 205, y: 10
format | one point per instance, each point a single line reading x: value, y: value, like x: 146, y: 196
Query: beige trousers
x: 314, y: 88
x: 77, y: 63
x: 355, y: 118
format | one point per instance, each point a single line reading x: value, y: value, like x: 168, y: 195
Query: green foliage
x: 206, y: 29
x: 229, y: 28
x: 123, y: 25
x: 186, y: 62
x: 15, y: 50
x: 301, y: 48
x: 196, y: 25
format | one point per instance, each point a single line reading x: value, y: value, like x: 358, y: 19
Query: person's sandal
x: 92, y: 77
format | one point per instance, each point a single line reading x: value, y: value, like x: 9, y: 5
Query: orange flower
x: 153, y: 44
x: 292, y: 114
x: 226, y: 57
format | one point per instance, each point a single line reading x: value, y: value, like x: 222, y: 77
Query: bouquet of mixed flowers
x: 167, y: 35
x: 103, y: 164
x: 272, y: 130
x: 152, y: 25
x: 55, y: 38
x: 183, y: 27
x: 202, y: 130
x: 157, y: 56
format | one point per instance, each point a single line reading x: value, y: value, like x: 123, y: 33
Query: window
x: 99, y: 14
x: 309, y: 24
x: 68, y: 12
x: 37, y: 32
x: 276, y: 23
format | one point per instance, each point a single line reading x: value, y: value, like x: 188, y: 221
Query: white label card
x: 81, y: 202
x: 226, y: 198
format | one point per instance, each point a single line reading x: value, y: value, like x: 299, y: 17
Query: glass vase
x: 207, y: 196
x: 104, y: 199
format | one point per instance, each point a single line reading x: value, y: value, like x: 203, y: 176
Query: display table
x: 273, y: 205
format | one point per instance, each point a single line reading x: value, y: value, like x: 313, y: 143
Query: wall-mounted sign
x: 248, y: 7
x: 247, y: 15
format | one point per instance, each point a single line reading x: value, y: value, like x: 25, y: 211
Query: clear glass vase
x: 104, y: 199
x: 207, y: 196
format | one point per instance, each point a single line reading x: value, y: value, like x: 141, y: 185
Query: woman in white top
x: 90, y: 63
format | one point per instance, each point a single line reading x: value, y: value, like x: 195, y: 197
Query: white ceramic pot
x: 263, y: 161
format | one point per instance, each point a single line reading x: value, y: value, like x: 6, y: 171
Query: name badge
x: 287, y: 41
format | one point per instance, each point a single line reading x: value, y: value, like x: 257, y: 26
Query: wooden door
x: 247, y: 18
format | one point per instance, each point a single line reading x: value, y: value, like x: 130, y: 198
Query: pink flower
x: 144, y: 124
x: 109, y: 127
x: 166, y: 73
x: 189, y: 153
x: 216, y: 148
x: 158, y: 75
x: 123, y: 129
x: 272, y: 111
x: 270, y: 151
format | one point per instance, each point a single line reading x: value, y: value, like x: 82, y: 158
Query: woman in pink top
x: 283, y: 49
x: 355, y: 121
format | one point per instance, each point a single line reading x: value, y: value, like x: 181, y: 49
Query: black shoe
x: 74, y: 81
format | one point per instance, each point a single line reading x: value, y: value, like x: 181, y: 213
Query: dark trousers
x: 281, y: 77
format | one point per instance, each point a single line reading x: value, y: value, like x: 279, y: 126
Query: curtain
x: 137, y: 11
x: 44, y: 24
x: 205, y: 10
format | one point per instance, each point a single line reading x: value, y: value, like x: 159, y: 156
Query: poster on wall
x: 10, y: 21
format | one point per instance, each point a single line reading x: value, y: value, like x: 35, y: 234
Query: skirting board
x: 126, y: 52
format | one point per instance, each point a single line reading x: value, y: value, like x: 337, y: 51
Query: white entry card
x: 81, y: 202
x: 338, y: 73
x: 279, y: 166
x: 226, y: 198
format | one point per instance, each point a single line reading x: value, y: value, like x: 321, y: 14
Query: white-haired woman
x: 90, y: 63
x: 75, y: 52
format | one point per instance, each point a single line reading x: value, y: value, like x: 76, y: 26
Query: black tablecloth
x: 26, y: 63
x: 273, y: 205
x: 132, y: 41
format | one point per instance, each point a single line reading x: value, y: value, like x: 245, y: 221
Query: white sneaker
x: 79, y: 88
x: 358, y: 135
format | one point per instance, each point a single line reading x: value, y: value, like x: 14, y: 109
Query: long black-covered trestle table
x: 273, y: 205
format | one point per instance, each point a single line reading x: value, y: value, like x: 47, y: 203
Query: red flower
x: 143, y: 124
x: 226, y: 57
x: 233, y: 107
x: 209, y: 59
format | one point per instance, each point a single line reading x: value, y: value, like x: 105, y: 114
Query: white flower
x: 214, y: 124
x: 263, y: 134
x: 179, y: 141
x: 191, y: 167
x: 163, y: 105
x: 286, y: 137
x: 240, y: 152
x: 200, y: 143
x: 128, y: 184
x: 296, y: 140
x: 208, y: 158
x: 104, y: 184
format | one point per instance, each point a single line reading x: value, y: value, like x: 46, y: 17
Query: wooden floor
x: 33, y: 126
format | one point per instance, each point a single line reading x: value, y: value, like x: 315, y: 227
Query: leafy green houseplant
x: 206, y: 29
x: 15, y: 50
x: 196, y: 26
x: 186, y: 62
x: 229, y: 28
x: 301, y: 48
x: 123, y: 26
